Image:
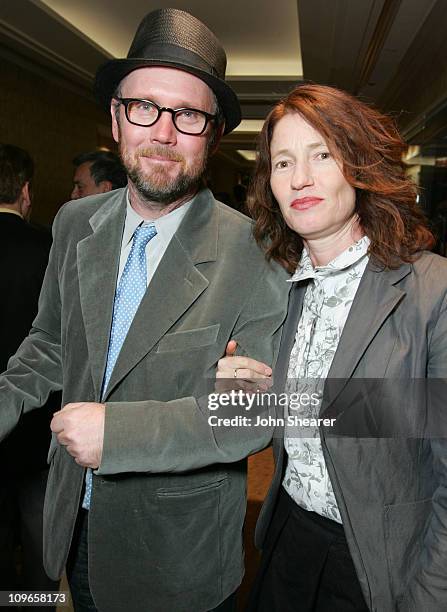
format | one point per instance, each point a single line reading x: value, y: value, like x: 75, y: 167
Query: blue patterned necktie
x: 128, y: 295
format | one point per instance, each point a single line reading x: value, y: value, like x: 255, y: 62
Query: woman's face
x: 315, y: 198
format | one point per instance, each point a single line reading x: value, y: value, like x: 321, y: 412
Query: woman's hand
x: 243, y: 368
x: 242, y: 372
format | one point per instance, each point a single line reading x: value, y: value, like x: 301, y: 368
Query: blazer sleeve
x: 427, y: 588
x: 179, y: 435
x: 35, y: 369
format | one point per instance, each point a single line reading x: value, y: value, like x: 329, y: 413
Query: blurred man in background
x: 97, y: 172
x: 23, y: 454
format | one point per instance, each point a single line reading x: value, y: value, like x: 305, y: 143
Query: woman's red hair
x: 369, y: 149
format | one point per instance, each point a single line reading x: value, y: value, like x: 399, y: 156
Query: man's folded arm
x: 154, y: 436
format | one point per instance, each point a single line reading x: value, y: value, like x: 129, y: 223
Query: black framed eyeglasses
x: 145, y: 113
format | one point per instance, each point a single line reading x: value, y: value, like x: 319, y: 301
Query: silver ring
x: 235, y: 372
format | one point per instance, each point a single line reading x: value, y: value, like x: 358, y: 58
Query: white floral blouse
x: 326, y: 306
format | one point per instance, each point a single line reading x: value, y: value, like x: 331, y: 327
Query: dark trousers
x: 77, y: 572
x: 21, y: 515
x: 306, y: 565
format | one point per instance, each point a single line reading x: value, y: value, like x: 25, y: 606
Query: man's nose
x: 164, y: 130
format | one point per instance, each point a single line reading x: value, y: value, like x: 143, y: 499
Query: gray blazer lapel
x: 295, y: 306
x: 176, y: 285
x: 376, y: 298
x: 98, y: 260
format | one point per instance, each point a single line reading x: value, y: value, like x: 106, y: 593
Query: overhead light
x: 250, y: 125
x: 265, y: 68
x: 422, y: 160
x: 247, y: 154
x: 411, y: 152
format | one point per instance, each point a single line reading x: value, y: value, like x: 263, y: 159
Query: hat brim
x: 112, y: 72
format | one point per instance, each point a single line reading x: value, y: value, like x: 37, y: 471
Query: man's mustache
x: 158, y: 151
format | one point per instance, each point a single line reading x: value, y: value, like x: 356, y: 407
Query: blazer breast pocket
x: 189, y: 339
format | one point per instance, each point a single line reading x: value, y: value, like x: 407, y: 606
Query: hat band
x: 173, y: 54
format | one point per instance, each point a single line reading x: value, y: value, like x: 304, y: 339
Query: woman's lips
x: 305, y: 203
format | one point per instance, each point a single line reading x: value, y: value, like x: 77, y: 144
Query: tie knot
x: 143, y: 234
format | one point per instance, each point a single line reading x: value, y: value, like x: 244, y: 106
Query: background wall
x: 54, y: 121
x: 53, y: 124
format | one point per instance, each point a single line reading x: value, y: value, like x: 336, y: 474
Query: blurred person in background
x: 23, y: 453
x: 97, y: 172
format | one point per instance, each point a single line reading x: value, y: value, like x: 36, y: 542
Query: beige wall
x: 53, y: 124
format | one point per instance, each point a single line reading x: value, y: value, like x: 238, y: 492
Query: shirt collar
x: 3, y: 209
x: 166, y: 225
x: 347, y: 258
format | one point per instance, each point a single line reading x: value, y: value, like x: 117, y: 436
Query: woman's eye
x: 280, y: 165
x: 324, y: 155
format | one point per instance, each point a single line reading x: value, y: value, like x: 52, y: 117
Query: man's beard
x: 157, y: 185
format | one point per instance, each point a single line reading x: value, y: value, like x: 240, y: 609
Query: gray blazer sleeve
x: 176, y: 435
x: 427, y: 589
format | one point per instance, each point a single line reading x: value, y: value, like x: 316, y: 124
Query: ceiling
x: 392, y: 52
x: 251, y: 39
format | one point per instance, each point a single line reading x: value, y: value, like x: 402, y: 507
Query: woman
x: 356, y: 517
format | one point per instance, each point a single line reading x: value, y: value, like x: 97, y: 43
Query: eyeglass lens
x: 145, y: 113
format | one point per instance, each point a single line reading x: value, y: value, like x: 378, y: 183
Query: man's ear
x: 217, y: 139
x: 114, y: 111
x: 25, y: 201
x: 105, y: 186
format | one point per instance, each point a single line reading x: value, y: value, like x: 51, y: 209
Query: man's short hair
x: 16, y: 169
x: 105, y: 166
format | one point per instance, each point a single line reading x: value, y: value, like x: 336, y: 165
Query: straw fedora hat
x: 174, y: 38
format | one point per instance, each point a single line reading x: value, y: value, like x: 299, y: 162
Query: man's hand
x: 80, y: 428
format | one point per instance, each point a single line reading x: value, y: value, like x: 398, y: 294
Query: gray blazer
x: 390, y: 486
x: 168, y: 503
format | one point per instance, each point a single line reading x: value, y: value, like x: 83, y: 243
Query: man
x: 164, y: 500
x: 23, y: 454
x: 97, y: 172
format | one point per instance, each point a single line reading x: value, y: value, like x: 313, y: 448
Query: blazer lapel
x: 98, y: 260
x: 376, y: 298
x: 176, y: 285
x: 295, y: 306
x: 294, y: 310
